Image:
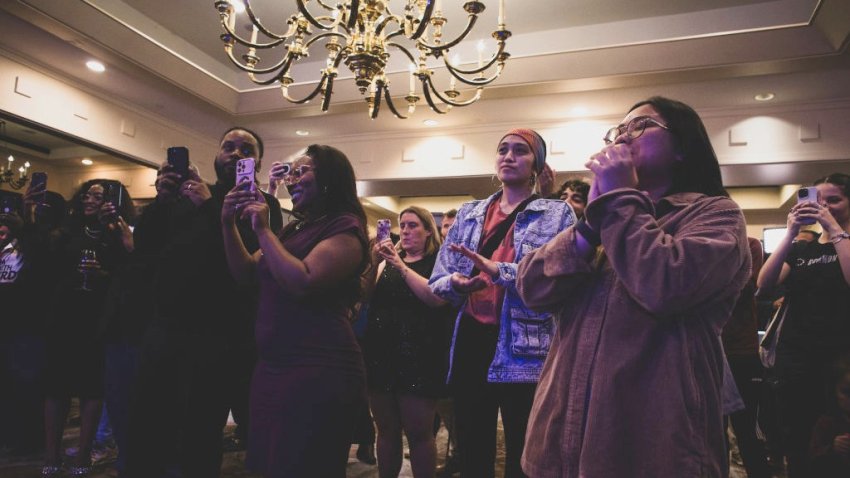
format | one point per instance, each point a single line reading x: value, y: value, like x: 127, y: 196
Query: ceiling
x: 165, y: 57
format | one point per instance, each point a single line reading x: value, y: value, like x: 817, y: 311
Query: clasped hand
x: 613, y: 168
x: 808, y: 213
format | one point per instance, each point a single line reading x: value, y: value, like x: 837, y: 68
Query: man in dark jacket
x: 201, y: 325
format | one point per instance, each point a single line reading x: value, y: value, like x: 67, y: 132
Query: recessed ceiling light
x: 87, y: 162
x: 430, y: 122
x: 302, y: 132
x: 95, y: 66
x: 764, y: 96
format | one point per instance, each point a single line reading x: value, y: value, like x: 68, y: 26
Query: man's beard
x: 225, y: 176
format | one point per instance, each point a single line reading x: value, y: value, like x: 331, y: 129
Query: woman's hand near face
x: 613, y: 168
x: 276, y: 176
x: 256, y: 212
x: 387, y: 251
x: 234, y: 202
x: 546, y: 181
x: 803, y: 214
x: 107, y: 213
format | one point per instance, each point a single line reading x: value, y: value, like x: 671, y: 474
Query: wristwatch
x: 838, y: 238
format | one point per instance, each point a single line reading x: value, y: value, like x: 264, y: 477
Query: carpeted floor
x: 233, y: 463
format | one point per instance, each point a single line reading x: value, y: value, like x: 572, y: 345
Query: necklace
x: 92, y: 233
x: 304, y: 222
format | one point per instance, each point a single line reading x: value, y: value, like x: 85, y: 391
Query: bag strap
x: 488, y: 247
x: 775, y: 326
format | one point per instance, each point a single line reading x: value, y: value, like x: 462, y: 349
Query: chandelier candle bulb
x: 501, y: 13
x: 412, y: 79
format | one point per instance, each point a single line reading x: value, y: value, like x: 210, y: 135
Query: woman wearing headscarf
x: 498, y: 345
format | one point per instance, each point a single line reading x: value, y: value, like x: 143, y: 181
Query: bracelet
x: 589, y: 235
x: 839, y: 237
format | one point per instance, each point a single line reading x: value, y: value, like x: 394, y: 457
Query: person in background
x: 406, y: 345
x: 499, y: 345
x: 309, y: 383
x: 91, y: 246
x: 816, y: 278
x: 446, y: 223
x: 829, y: 450
x: 740, y: 343
x: 192, y: 351
x: 445, y: 405
x: 637, y: 352
x: 574, y: 192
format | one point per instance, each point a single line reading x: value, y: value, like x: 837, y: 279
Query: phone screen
x: 383, y: 230
x: 178, y: 158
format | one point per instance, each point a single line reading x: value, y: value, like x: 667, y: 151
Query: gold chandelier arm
x: 283, y: 65
x: 479, y: 81
x: 428, y: 88
x: 411, y: 105
x: 285, y: 90
x: 352, y: 18
x: 424, y: 21
x: 256, y: 21
x: 445, y: 46
x: 403, y: 50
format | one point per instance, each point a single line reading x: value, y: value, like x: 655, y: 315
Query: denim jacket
x: 524, y: 335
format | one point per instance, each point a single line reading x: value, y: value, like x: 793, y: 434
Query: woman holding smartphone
x: 309, y: 382
x: 406, y: 345
x: 499, y: 345
x: 89, y: 248
x: 816, y: 329
x: 632, y: 384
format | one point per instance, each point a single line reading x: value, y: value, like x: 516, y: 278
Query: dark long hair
x: 336, y: 182
x: 338, y: 195
x: 699, y: 170
x: 838, y: 179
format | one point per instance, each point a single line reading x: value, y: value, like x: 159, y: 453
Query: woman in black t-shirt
x: 817, y: 325
x: 407, y: 340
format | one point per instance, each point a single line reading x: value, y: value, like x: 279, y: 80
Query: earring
x: 533, y: 179
x: 325, y: 190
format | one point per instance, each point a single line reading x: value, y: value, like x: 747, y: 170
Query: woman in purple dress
x: 309, y: 382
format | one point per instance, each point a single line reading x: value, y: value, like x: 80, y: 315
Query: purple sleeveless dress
x: 309, y: 382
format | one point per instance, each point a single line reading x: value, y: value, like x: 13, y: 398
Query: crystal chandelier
x: 362, y: 34
x: 7, y: 173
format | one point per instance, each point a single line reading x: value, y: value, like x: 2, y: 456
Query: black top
x: 407, y: 341
x: 819, y: 316
x: 179, y: 260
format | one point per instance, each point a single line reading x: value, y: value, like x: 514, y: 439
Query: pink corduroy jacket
x: 632, y: 384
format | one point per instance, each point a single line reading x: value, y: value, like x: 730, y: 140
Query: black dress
x: 406, y: 340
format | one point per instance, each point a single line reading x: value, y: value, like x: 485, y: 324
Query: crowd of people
x: 610, y: 325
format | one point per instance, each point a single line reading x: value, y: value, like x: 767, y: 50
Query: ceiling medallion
x: 362, y: 34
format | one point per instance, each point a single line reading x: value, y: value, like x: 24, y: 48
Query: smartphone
x: 39, y: 181
x: 178, y: 158
x: 809, y: 194
x: 10, y: 203
x: 114, y: 192
x: 245, y: 173
x: 383, y: 230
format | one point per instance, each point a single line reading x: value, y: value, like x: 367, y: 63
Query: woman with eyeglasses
x: 89, y: 249
x: 642, y: 287
x: 816, y: 329
x: 309, y: 382
x: 499, y: 345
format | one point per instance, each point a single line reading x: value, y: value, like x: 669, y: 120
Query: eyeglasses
x: 633, y: 129
x: 294, y: 175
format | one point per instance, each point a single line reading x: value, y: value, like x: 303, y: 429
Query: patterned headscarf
x: 535, y: 141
